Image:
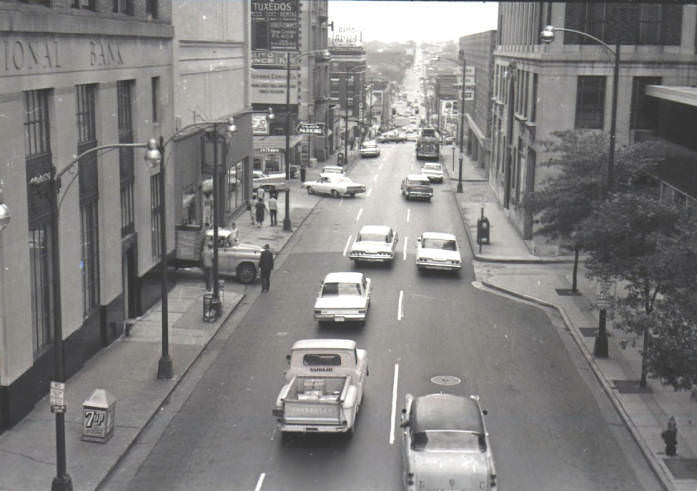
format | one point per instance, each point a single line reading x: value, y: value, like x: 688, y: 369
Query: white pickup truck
x: 323, y: 387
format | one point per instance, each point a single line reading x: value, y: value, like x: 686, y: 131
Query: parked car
x: 417, y: 186
x: 333, y: 170
x: 445, y: 444
x: 370, y: 149
x: 269, y: 182
x: 374, y: 243
x: 334, y: 185
x: 343, y: 297
x: 437, y: 250
x: 237, y: 260
x: 433, y: 171
x: 323, y: 387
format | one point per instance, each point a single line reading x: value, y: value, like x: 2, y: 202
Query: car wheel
x: 246, y: 273
x: 310, y: 190
x: 335, y: 193
x: 352, y: 195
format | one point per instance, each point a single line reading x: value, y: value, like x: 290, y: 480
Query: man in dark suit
x: 265, y: 267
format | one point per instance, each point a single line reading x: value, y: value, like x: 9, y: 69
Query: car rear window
x: 372, y: 237
x: 341, y: 289
x: 315, y: 360
x: 419, y: 182
x: 463, y: 441
x: 444, y: 244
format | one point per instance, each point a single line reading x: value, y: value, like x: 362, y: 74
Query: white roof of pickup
x: 375, y: 229
x: 348, y: 344
x: 417, y: 177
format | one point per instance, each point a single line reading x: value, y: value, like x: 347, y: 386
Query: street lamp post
x: 462, y: 125
x: 600, y: 348
x: 62, y: 480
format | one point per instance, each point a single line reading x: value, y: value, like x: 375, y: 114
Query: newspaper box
x: 98, y: 413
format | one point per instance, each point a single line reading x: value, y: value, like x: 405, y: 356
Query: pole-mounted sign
x: 56, y: 397
x: 316, y: 129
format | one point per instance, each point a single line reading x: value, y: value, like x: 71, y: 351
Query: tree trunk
x: 575, y: 273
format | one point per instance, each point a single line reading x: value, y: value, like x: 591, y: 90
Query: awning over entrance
x: 674, y: 93
x: 274, y: 143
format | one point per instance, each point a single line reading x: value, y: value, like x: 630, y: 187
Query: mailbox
x: 483, y: 230
x: 98, y: 414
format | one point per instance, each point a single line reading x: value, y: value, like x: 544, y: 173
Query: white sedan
x: 370, y: 149
x: 374, y: 243
x: 436, y: 250
x: 334, y: 185
x: 269, y: 182
x: 343, y: 297
x: 433, y: 171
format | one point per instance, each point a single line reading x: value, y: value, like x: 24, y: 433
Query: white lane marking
x: 394, y: 402
x: 375, y: 178
x: 400, y: 310
x: 369, y: 191
x: 260, y: 481
x: 408, y: 214
x: 406, y: 239
x: 360, y: 212
x: 348, y: 241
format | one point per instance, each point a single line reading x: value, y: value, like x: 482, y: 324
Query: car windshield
x: 444, y: 440
x: 330, y: 289
x: 432, y: 167
x: 333, y: 170
x: 374, y: 237
x: 444, y: 244
x: 419, y: 182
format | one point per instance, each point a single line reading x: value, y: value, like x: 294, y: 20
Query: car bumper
x: 441, y: 265
x: 340, y: 316
x: 294, y: 428
x: 435, y: 178
x: 371, y: 257
x: 419, y: 195
x: 370, y: 154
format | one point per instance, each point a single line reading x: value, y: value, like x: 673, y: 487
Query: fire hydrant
x: 670, y: 437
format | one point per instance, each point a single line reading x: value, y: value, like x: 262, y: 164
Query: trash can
x: 483, y: 228
x: 209, y: 310
x: 98, y: 413
x: 302, y: 174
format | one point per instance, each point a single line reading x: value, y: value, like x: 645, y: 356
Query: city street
x: 551, y: 427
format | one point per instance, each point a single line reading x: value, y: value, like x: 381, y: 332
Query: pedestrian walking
x: 250, y: 210
x: 261, y: 194
x: 670, y: 437
x: 265, y: 267
x: 234, y: 234
x: 273, y: 208
x: 260, y: 208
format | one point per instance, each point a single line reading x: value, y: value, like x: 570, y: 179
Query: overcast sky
x: 388, y: 20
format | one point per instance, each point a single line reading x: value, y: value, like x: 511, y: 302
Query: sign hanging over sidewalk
x: 304, y: 128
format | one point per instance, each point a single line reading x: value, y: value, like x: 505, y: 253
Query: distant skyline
x: 401, y: 21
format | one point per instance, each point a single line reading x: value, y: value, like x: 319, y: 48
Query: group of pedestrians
x: 257, y: 210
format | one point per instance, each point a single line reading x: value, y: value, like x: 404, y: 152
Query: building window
x: 37, y: 144
x: 85, y: 4
x: 89, y: 234
x: 155, y: 86
x: 533, y: 105
x: 124, y: 98
x: 45, y: 3
x: 639, y: 23
x: 644, y: 114
x: 123, y: 7
x: 590, y: 102
x: 151, y: 8
x: 89, y: 197
x: 155, y: 215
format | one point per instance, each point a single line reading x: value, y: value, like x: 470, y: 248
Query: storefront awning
x: 674, y: 93
x: 275, y: 143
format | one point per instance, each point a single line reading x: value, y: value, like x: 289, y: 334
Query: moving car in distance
x: 370, y: 149
x: 343, y: 297
x: 417, y: 186
x: 433, y: 171
x: 437, y: 250
x: 445, y: 444
x: 428, y: 144
x: 333, y: 170
x: 374, y: 243
x: 269, y: 182
x: 334, y: 185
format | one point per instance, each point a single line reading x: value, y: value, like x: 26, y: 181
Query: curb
x: 657, y: 466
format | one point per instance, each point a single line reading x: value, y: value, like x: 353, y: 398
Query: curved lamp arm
x: 548, y: 35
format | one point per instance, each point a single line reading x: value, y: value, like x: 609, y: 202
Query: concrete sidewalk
x: 509, y: 265
x: 128, y: 370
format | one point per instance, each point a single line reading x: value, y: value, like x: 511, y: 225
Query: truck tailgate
x: 312, y: 412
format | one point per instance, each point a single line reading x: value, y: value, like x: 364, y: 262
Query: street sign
x: 316, y: 129
x: 56, y: 399
x: 605, y: 295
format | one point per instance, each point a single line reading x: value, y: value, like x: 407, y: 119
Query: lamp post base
x: 165, y: 369
x: 286, y: 224
x: 459, y: 187
x: 62, y: 483
x: 600, y: 348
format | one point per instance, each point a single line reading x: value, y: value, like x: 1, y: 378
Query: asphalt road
x: 551, y: 427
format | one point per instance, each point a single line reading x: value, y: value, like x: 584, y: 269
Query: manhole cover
x: 445, y: 380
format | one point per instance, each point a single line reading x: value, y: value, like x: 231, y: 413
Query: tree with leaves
x: 630, y: 237
x: 578, y: 170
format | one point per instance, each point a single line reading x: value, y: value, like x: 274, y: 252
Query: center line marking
x: 408, y: 214
x: 369, y: 191
x: 394, y: 402
x: 375, y: 179
x: 348, y: 241
x: 400, y: 312
x: 260, y: 481
x: 405, y: 247
x: 360, y: 212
